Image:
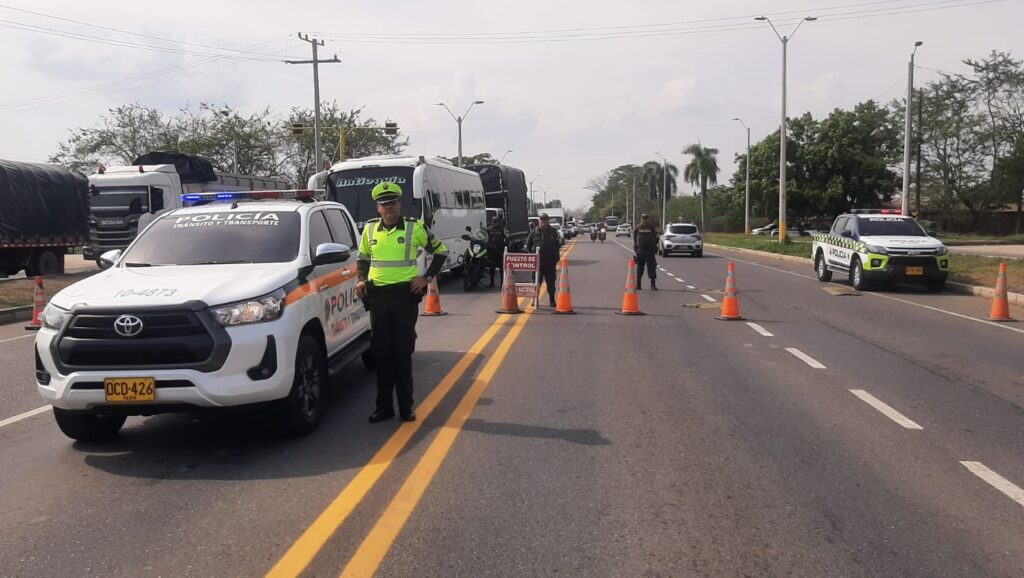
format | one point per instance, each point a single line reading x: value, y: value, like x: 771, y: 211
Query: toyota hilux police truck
x: 246, y: 299
x: 874, y: 247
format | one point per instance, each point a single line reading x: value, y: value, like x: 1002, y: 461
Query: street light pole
x: 782, y: 130
x: 533, y: 205
x: 746, y: 202
x: 664, y: 187
x: 907, y: 125
x: 458, y: 121
x: 502, y: 159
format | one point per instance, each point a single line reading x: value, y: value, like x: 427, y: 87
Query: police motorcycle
x: 602, y: 234
x: 474, y: 260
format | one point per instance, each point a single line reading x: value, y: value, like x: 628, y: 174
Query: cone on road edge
x: 509, y: 299
x: 563, y: 296
x: 630, y: 301
x: 432, y: 307
x: 1000, y: 304
x: 38, y: 303
x: 731, y: 303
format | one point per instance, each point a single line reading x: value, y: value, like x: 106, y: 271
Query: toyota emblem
x: 128, y: 326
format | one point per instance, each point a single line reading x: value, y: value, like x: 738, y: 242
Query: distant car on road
x: 771, y: 230
x: 681, y: 238
x: 624, y: 230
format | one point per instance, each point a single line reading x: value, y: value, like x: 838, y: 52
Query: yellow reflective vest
x: 392, y: 252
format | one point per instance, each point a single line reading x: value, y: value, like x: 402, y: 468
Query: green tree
x: 701, y: 170
x: 653, y: 179
x: 480, y: 159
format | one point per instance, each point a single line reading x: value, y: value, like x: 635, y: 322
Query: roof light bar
x: 292, y: 194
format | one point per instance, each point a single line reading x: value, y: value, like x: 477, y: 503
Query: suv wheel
x: 821, y: 268
x: 87, y: 426
x: 300, y: 412
x: 857, y: 276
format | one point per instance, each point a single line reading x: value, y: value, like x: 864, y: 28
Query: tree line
x: 968, y: 136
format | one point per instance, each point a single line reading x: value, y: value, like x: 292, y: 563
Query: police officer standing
x: 496, y: 247
x: 645, y: 245
x: 545, y: 239
x: 391, y: 287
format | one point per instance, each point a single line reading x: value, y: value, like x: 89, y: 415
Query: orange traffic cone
x: 563, y: 297
x: 1000, y: 304
x: 432, y: 307
x: 38, y: 303
x: 630, y: 302
x: 509, y: 299
x: 731, y: 303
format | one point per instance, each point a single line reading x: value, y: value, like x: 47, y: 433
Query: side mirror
x: 468, y: 228
x: 932, y: 233
x: 108, y: 259
x: 327, y: 253
x: 847, y: 234
x: 465, y: 237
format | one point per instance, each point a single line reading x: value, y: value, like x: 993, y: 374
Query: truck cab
x: 119, y: 196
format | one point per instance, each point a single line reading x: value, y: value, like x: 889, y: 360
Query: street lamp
x: 533, y: 206
x: 905, y: 205
x: 226, y: 113
x: 782, y: 131
x: 664, y: 187
x: 502, y: 159
x: 458, y: 121
x: 746, y: 202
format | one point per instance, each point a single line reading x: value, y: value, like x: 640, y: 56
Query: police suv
x: 247, y: 299
x: 879, y: 246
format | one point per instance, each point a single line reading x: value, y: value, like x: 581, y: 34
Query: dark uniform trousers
x: 394, y: 310
x: 646, y: 258
x: 547, y: 273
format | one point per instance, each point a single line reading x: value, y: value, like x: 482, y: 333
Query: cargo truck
x: 507, y: 197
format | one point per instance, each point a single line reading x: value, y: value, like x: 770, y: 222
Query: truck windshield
x: 890, y: 226
x: 218, y: 237
x: 135, y: 199
x: 352, y: 188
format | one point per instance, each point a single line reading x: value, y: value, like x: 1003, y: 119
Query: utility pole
x: 633, y: 217
x: 316, y: 90
x: 746, y: 202
x: 458, y: 121
x: 920, y: 107
x: 908, y: 133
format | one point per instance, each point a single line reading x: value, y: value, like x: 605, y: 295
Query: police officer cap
x: 643, y: 216
x: 544, y: 216
x: 386, y: 191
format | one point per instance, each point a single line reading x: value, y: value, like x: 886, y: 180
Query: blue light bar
x: 191, y: 197
x: 225, y: 195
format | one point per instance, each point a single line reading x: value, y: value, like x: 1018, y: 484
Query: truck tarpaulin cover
x: 191, y: 169
x: 38, y: 199
x: 502, y: 184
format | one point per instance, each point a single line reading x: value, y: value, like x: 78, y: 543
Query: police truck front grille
x: 900, y: 261
x: 168, y: 338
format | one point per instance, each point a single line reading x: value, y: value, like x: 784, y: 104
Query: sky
x: 573, y: 88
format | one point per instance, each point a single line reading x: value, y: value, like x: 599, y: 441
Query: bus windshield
x: 611, y: 221
x: 352, y: 188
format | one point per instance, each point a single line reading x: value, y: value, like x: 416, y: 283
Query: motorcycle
x: 593, y: 234
x: 602, y: 234
x: 474, y: 262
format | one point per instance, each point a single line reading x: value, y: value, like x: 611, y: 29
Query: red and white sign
x: 522, y: 261
x: 526, y: 289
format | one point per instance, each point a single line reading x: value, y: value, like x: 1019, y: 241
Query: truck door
x: 345, y: 316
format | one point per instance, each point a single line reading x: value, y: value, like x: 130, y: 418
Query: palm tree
x: 652, y: 178
x: 702, y: 169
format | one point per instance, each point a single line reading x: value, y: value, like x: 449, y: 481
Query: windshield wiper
x: 219, y: 262
x: 138, y: 264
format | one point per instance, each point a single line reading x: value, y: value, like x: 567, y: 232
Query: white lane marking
x: 998, y: 482
x: 662, y: 269
x: 17, y: 338
x: 680, y: 280
x: 25, y: 415
x: 890, y: 297
x: 708, y: 297
x: 690, y: 287
x: 760, y: 329
x: 886, y: 410
x: 805, y: 358
x: 669, y: 274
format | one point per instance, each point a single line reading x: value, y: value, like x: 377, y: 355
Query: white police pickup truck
x: 246, y: 300
x: 873, y: 247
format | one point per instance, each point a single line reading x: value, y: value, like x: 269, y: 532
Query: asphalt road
x: 877, y: 434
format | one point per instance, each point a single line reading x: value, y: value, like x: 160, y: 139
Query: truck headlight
x: 943, y: 250
x: 876, y: 249
x: 54, y: 317
x: 266, y: 308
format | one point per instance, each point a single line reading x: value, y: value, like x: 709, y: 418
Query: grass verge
x: 969, y: 269
x: 19, y: 292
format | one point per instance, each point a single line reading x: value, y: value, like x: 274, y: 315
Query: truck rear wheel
x: 45, y: 263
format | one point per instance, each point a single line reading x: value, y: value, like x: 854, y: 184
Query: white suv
x: 219, y: 305
x: 681, y: 238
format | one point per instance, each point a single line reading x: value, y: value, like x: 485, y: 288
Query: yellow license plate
x: 130, y: 389
x: 915, y: 270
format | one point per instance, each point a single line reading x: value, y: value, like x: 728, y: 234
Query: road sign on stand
x: 525, y: 263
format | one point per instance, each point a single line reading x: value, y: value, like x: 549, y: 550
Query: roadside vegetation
x: 19, y: 292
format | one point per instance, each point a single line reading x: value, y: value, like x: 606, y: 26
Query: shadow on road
x: 587, y: 437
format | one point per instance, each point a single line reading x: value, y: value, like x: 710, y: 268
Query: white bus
x: 446, y: 198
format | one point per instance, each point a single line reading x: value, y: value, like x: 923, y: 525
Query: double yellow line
x: 376, y: 545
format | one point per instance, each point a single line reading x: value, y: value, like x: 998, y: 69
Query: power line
x: 120, y: 43
x: 129, y: 32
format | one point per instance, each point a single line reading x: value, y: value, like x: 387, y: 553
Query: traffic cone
x: 563, y: 297
x: 509, y: 299
x: 38, y: 303
x: 1000, y: 304
x: 731, y: 303
x: 630, y: 301
x: 432, y: 308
